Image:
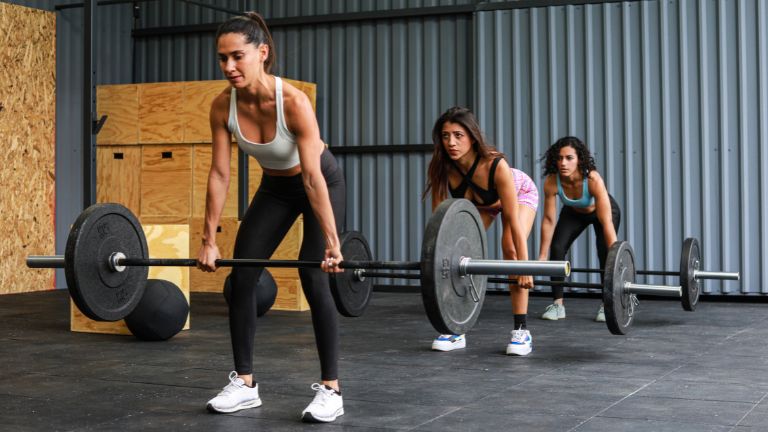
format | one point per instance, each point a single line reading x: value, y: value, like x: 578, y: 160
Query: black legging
x: 570, y: 224
x: 273, y: 210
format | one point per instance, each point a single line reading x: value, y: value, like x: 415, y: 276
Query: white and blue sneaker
x: 520, y: 344
x: 449, y: 342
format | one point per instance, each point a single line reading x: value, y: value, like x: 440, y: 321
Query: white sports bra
x: 282, y: 152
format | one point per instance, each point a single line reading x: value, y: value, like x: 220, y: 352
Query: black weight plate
x: 618, y: 303
x: 455, y: 230
x: 690, y: 261
x: 100, y: 293
x: 351, y: 294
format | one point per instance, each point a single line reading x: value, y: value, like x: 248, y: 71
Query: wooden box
x: 160, y: 113
x: 166, y: 241
x: 166, y: 181
x: 290, y: 297
x: 120, y: 103
x: 201, y: 166
x: 118, y: 175
x: 198, y: 97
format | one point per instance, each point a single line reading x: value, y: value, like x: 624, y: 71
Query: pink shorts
x: 527, y: 193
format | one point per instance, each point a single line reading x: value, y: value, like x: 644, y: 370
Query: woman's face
x: 239, y: 60
x: 567, y: 161
x: 456, y: 140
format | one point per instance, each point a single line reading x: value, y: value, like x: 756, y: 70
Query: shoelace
x: 322, y: 395
x: 518, y: 335
x: 233, y: 384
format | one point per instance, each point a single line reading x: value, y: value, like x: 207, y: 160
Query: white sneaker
x: 520, y: 344
x: 325, y: 407
x: 235, y: 396
x: 449, y: 342
x: 554, y: 312
x: 600, y: 314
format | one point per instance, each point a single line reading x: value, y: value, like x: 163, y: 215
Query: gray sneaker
x: 600, y: 314
x: 554, y: 312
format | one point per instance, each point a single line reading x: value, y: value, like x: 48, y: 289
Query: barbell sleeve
x: 469, y: 266
x: 699, y: 274
x: 45, y: 261
x: 658, y: 290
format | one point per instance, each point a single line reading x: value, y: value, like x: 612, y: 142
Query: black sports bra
x: 487, y: 196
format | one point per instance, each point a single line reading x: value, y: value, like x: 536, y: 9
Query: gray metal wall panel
x: 670, y: 96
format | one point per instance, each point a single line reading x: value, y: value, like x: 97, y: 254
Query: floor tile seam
x: 750, y: 411
x: 467, y: 405
x: 434, y: 418
x: 621, y: 400
x: 710, y: 381
x: 744, y: 330
x: 698, y: 400
x: 666, y: 421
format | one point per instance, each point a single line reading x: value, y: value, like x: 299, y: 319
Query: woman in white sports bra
x: 273, y: 122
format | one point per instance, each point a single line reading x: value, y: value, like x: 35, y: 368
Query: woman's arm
x: 301, y: 121
x: 549, y: 217
x: 516, y: 247
x: 218, y: 181
x: 602, y: 206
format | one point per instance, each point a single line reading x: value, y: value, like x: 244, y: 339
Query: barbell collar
x: 469, y: 266
x: 699, y: 274
x: 658, y: 290
x: 45, y: 261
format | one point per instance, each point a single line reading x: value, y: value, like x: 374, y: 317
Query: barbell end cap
x: 45, y: 262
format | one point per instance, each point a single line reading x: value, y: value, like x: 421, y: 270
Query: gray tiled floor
x: 676, y: 371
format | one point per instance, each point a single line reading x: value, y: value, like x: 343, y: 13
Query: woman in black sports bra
x: 461, y: 163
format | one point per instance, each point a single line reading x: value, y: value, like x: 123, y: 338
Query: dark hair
x: 254, y: 28
x: 586, y: 161
x: 437, y: 174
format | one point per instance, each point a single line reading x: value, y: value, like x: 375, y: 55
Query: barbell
x: 619, y: 288
x: 106, y: 264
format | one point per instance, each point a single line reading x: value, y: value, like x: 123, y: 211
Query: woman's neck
x: 262, y: 88
x: 465, y: 162
x: 572, y: 179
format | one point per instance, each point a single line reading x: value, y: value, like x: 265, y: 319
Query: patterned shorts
x: 527, y: 192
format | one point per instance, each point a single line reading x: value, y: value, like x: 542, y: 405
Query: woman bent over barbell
x: 461, y: 162
x: 273, y: 122
x: 571, y: 174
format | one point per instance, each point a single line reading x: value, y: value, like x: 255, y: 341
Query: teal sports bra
x: 585, y: 201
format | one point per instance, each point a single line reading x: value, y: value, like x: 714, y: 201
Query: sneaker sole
x: 446, y: 349
x: 253, y: 404
x: 309, y: 418
x: 511, y: 352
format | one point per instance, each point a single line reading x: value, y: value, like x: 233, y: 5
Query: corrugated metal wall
x: 672, y: 98
x: 671, y: 95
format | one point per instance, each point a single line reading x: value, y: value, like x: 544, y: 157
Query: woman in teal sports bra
x: 571, y: 175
